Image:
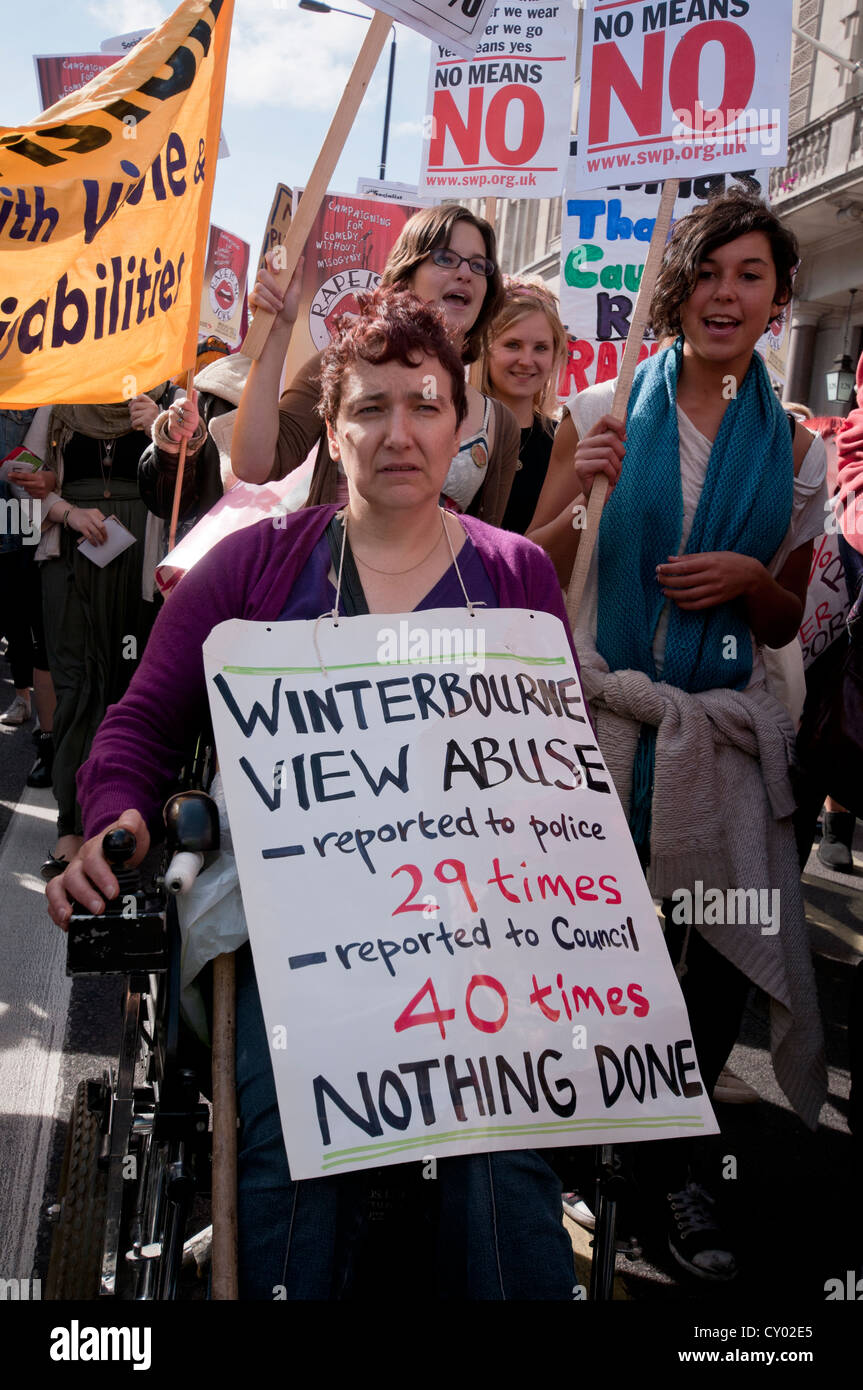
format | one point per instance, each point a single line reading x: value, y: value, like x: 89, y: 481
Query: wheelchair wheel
x: 76, y: 1252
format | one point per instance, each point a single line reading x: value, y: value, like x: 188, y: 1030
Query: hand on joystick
x: 95, y: 867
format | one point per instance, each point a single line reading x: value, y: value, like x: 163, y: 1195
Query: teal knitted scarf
x: 745, y: 506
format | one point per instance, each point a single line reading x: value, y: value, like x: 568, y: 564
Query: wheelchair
x: 138, y: 1146
x: 139, y: 1150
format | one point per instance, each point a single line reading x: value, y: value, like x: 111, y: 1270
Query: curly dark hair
x: 424, y: 233
x: 721, y: 219
x: 392, y: 326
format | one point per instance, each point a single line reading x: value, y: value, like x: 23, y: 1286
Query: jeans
x: 498, y: 1227
x: 14, y: 425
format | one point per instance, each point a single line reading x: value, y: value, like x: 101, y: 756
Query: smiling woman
x: 702, y: 560
x: 527, y: 345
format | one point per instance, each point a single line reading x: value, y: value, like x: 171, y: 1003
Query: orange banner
x: 104, y: 216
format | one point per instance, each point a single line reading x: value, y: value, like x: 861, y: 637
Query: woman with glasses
x: 446, y: 256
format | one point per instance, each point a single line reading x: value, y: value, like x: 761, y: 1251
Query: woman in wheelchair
x: 393, y: 397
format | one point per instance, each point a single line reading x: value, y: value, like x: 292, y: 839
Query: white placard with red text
x: 671, y: 90
x: 454, y: 943
x: 498, y: 124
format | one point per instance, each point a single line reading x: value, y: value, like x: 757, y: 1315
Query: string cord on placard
x: 471, y: 605
x: 333, y: 613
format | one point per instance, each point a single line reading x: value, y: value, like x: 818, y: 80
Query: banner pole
x: 181, y: 466
x: 315, y: 190
x: 637, y: 325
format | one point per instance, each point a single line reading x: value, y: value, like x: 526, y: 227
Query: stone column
x: 801, y: 351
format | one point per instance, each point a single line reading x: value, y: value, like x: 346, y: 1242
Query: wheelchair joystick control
x: 129, y: 932
x: 118, y: 847
x: 192, y: 822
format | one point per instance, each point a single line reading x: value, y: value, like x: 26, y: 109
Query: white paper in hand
x: 119, y: 539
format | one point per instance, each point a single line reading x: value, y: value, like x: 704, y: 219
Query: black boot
x: 835, y: 847
x: 40, y: 773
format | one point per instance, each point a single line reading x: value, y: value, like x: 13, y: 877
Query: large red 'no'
x: 642, y: 101
x: 466, y: 134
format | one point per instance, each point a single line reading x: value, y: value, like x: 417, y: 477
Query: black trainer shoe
x: 40, y: 773
x: 695, y: 1237
x: 835, y: 848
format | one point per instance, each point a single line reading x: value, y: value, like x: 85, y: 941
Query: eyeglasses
x: 451, y: 260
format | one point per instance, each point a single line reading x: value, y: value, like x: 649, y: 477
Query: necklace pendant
x: 107, y: 492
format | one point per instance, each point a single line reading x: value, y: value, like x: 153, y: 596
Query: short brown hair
x: 722, y: 219
x: 392, y: 326
x: 523, y: 297
x: 424, y: 233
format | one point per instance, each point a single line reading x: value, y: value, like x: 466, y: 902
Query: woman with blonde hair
x: 526, y: 349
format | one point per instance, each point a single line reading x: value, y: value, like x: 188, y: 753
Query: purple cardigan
x: 143, y: 740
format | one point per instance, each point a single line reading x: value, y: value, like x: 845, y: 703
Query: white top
x: 807, y: 507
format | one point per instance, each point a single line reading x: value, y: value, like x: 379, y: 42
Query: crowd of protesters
x: 715, y: 499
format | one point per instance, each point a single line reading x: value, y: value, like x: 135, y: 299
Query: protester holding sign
x: 703, y: 556
x: 447, y: 257
x: 393, y: 399
x: 527, y: 345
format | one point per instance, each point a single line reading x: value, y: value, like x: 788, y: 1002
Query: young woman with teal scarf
x: 703, y: 557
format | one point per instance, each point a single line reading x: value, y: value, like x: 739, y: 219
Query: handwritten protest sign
x: 499, y: 123
x: 605, y: 236
x: 345, y: 252
x: 455, y: 945
x: 827, y: 601
x: 458, y: 23
x: 102, y: 259
x: 278, y: 221
x: 682, y: 88
x: 224, y: 290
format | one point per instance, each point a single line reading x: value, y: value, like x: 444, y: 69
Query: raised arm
x: 572, y: 467
x: 256, y: 431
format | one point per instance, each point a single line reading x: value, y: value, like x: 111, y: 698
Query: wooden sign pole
x: 181, y: 466
x: 224, y: 1130
x: 313, y: 194
x: 637, y: 325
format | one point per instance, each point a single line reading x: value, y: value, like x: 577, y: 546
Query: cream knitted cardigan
x: 721, y: 814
